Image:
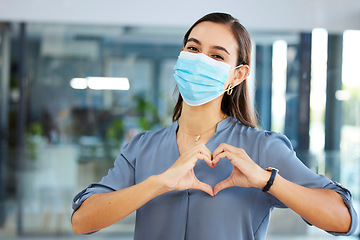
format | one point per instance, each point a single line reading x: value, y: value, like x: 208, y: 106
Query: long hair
x: 238, y: 103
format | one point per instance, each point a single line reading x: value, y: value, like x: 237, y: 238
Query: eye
x: 192, y: 49
x: 217, y: 57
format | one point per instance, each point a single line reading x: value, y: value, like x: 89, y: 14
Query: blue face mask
x: 200, y: 78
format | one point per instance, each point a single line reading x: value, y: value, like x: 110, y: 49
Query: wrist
x: 265, y: 176
x: 160, y: 183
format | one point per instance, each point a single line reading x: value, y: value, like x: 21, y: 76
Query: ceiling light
x: 108, y: 83
x: 78, y: 83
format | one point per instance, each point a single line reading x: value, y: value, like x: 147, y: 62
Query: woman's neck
x: 200, y: 119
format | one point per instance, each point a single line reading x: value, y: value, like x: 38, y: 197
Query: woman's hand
x: 246, y: 173
x: 180, y: 176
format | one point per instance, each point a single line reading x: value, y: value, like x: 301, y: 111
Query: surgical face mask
x: 200, y: 78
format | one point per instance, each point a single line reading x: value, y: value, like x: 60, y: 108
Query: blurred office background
x: 59, y: 134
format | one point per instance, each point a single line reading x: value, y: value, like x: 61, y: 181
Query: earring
x: 229, y: 90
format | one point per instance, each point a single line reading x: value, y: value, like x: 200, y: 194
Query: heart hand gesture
x: 180, y: 175
x: 246, y: 173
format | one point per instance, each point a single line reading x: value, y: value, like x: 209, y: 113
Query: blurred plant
x: 114, y: 137
x: 35, y: 129
x: 115, y: 132
x: 148, y: 113
x: 33, y: 138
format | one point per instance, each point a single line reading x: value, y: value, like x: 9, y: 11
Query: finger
x: 206, y: 151
x: 204, y: 157
x: 203, y: 146
x: 222, y: 185
x: 200, y: 156
x: 219, y: 149
x: 201, y: 152
x: 223, y: 147
x: 225, y: 154
x: 204, y: 187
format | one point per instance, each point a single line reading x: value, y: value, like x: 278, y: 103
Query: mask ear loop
x: 236, y: 67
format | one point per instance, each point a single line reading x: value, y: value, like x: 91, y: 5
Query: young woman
x: 211, y: 174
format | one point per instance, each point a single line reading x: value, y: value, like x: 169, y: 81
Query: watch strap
x: 271, y: 180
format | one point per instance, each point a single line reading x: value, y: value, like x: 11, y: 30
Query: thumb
x: 203, y: 187
x: 222, y: 185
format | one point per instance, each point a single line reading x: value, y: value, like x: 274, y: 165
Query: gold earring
x: 229, y: 90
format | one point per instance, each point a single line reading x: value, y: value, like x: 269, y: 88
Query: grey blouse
x: 234, y: 213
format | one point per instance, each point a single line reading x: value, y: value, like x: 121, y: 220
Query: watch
x: 274, y: 171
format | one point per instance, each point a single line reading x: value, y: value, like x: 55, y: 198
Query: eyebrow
x: 215, y: 47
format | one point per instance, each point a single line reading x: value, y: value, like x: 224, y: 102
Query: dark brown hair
x: 238, y: 103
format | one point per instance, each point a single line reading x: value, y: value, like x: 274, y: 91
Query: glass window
x: 73, y: 135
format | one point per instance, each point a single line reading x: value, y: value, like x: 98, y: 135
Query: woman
x: 231, y: 191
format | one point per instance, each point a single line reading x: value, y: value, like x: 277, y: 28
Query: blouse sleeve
x: 121, y: 176
x: 277, y: 151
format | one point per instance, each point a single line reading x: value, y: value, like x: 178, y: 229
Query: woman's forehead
x: 210, y: 33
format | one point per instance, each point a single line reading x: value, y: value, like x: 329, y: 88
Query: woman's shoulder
x: 157, y: 133
x: 265, y: 138
x: 148, y: 136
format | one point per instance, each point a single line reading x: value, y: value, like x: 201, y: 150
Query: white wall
x: 256, y: 15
